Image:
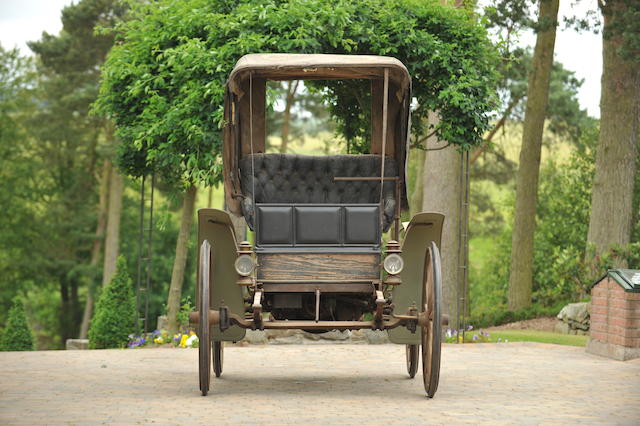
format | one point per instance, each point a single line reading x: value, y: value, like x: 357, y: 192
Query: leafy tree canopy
x: 18, y: 194
x: 163, y: 82
x: 64, y: 147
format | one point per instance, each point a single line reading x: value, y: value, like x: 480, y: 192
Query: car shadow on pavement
x: 389, y: 386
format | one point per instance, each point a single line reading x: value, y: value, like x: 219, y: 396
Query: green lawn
x: 537, y: 336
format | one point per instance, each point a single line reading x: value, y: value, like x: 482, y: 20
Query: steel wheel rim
x: 432, y: 333
x: 218, y: 357
x: 204, y: 332
x: 412, y: 359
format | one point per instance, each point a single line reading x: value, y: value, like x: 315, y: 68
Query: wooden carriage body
x: 318, y: 221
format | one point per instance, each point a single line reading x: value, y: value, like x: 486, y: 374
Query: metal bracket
x: 257, y: 309
x: 380, y: 302
x: 225, y: 321
x: 413, y: 325
x: 317, y: 304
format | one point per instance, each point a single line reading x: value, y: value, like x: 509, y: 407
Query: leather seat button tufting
x: 291, y: 179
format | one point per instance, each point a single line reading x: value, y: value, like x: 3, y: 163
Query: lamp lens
x: 244, y: 265
x: 393, y: 264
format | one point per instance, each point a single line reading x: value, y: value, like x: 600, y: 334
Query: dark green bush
x: 17, y: 335
x: 115, y: 316
x: 502, y: 315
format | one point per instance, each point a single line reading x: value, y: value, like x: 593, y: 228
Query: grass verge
x: 536, y: 336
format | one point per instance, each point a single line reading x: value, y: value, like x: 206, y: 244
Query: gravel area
x: 541, y: 324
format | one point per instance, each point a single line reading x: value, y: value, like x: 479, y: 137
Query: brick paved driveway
x: 356, y: 384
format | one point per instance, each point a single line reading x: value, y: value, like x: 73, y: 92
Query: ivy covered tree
x: 116, y: 314
x: 17, y: 335
x: 163, y: 82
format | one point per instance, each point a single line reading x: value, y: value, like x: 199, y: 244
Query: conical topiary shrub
x: 17, y: 335
x: 115, y: 316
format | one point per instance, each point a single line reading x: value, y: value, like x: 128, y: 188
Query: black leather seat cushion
x: 304, y: 179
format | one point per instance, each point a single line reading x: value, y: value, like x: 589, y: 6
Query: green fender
x: 423, y: 228
x: 216, y: 227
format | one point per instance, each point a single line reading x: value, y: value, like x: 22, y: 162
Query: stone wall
x: 299, y: 337
x: 573, y: 319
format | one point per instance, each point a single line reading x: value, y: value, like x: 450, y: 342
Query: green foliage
x: 508, y: 19
x: 564, y: 202
x: 17, y: 335
x: 560, y: 240
x: 185, y: 309
x: 510, y: 15
x: 50, y: 149
x: 560, y: 269
x: 49, y: 198
x: 625, y: 15
x: 561, y: 273
x: 500, y: 314
x: 489, y: 272
x: 17, y: 191
x: 309, y: 114
x: 42, y: 304
x: 350, y: 105
x: 163, y: 82
x: 115, y: 314
x: 564, y: 115
x: 167, y: 213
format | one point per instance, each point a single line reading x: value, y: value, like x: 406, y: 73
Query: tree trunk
x: 441, y: 183
x: 74, y: 301
x: 180, y: 261
x: 610, y: 222
x: 97, y: 245
x: 112, y: 240
x: 66, y: 322
x: 521, y: 273
x: 292, y: 87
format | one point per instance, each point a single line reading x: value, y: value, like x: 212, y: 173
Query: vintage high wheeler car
x: 319, y: 261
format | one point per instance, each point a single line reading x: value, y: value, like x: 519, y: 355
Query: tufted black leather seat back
x: 303, y: 179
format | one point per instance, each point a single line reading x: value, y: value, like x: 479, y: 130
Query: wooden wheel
x: 412, y: 359
x: 432, y: 332
x: 204, y: 332
x: 218, y: 357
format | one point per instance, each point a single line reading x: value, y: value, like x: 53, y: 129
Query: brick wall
x: 615, y: 314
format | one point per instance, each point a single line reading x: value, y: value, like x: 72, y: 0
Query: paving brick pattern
x: 512, y: 383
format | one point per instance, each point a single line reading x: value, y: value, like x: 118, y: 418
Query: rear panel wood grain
x: 321, y: 266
